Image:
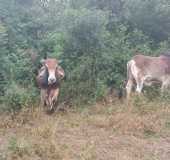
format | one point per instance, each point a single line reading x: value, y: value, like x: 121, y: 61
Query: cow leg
x: 139, y: 86
x: 43, y: 96
x: 139, y: 83
x: 51, y: 103
x: 138, y: 77
x: 55, y: 96
x: 52, y: 98
x: 129, y: 88
x: 164, y: 87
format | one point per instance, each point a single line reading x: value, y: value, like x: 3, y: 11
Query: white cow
x: 145, y: 70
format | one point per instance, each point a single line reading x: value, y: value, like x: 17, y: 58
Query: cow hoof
x: 50, y: 111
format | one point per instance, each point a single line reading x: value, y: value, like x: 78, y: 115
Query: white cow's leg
x: 129, y: 87
x: 164, y: 87
x: 137, y: 73
x: 139, y: 86
x: 165, y: 84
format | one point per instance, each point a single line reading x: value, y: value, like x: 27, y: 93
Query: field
x: 99, y: 132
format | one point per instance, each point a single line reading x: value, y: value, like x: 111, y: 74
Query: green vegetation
x: 93, y: 38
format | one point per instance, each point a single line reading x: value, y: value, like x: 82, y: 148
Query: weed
x: 13, y: 146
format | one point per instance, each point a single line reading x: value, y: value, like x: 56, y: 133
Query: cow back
x: 144, y: 61
x: 158, y: 66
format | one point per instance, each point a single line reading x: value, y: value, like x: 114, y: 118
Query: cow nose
x: 52, y: 80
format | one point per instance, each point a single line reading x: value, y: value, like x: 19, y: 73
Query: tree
x: 152, y: 17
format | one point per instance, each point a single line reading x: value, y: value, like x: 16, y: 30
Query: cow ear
x: 60, y: 72
x: 42, y: 61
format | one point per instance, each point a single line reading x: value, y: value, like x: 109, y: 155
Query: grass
x: 98, y: 132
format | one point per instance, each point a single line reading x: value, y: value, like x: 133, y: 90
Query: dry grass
x: 100, y: 132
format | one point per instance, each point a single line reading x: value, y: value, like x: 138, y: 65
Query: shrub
x: 17, y: 97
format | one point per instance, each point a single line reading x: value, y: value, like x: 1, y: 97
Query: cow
x: 146, y: 70
x: 48, y: 79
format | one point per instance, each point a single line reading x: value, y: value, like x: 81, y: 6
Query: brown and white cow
x: 48, y: 79
x: 145, y: 70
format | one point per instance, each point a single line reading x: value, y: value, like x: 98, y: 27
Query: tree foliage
x: 93, y: 38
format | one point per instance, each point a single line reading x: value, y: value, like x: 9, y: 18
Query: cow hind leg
x: 164, y: 88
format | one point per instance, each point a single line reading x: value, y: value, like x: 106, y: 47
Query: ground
x: 98, y: 132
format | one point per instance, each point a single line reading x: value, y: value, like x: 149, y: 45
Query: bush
x: 17, y: 98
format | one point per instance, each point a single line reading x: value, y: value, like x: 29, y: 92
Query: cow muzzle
x: 51, y: 77
x: 51, y: 80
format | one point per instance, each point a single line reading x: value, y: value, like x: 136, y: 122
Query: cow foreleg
x: 129, y: 88
x: 55, y: 96
x: 43, y: 96
x: 139, y: 86
x: 51, y: 104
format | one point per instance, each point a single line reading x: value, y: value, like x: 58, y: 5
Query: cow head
x: 55, y: 72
